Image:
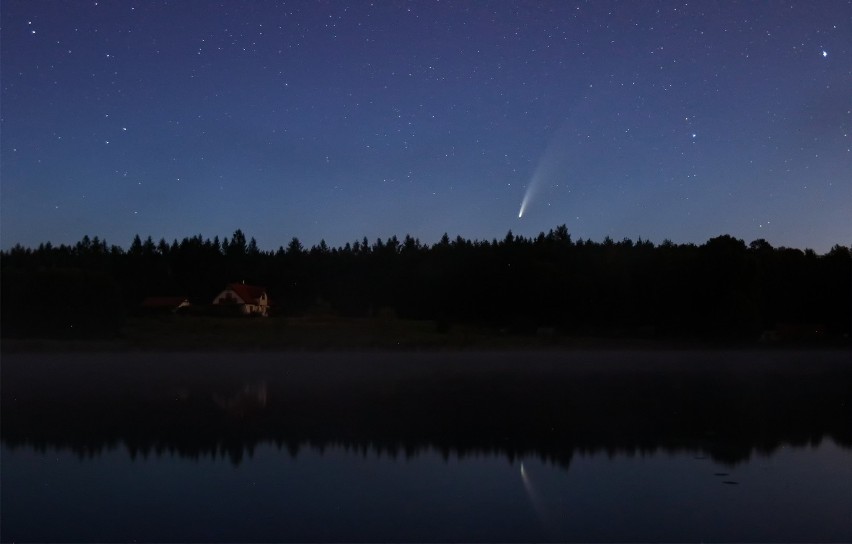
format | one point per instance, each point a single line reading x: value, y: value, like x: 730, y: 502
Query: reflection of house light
x: 251, y: 398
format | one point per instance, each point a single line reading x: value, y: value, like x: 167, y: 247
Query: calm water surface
x: 596, y: 446
x: 800, y: 493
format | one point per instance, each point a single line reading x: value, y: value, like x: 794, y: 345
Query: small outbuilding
x: 164, y: 305
x: 248, y: 299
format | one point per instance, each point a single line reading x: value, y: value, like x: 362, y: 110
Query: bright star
x: 824, y: 53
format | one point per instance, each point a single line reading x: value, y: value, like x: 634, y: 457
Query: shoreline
x: 183, y: 334
x: 58, y: 347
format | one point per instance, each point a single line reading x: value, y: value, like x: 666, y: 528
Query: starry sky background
x: 341, y: 119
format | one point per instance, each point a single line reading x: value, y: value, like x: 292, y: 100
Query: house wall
x: 222, y: 297
x: 260, y: 309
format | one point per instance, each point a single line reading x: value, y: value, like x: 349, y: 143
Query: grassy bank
x: 205, y: 333
x: 321, y: 333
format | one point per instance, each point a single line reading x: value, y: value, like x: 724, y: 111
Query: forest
x: 723, y: 289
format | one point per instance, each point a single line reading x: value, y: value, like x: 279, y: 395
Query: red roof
x: 249, y: 293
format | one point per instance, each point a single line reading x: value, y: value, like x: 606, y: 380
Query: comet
x: 548, y: 169
x: 524, y: 203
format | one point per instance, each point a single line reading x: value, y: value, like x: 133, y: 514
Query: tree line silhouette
x: 723, y: 288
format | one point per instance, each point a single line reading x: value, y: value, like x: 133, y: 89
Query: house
x: 250, y: 299
x: 156, y: 305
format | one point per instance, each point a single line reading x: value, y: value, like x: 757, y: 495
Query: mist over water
x: 678, y: 446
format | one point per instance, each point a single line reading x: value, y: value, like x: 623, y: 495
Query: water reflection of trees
x: 727, y: 406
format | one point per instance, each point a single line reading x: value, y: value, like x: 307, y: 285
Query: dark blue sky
x: 338, y: 120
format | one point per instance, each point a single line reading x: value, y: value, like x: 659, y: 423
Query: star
x: 438, y: 121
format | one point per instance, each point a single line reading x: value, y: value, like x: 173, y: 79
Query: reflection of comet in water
x: 535, y: 500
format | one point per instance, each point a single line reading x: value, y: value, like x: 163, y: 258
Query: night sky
x: 338, y: 120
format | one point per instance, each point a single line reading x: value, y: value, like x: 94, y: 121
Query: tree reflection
x: 728, y: 406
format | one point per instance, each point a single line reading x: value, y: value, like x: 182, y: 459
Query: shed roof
x: 164, y: 302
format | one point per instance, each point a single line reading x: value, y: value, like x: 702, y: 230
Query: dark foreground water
x: 671, y: 446
x: 794, y: 494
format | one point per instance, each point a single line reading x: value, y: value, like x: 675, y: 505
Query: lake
x: 577, y: 446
